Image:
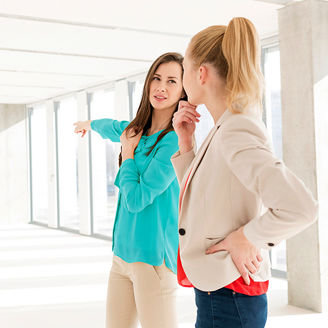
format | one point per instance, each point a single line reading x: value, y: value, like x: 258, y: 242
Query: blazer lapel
x: 200, y: 154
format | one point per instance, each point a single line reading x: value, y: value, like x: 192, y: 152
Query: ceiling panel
x: 92, y: 42
x: 48, y: 48
x: 11, y: 60
x: 185, y: 16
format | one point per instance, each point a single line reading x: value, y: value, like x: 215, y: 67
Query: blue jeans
x: 225, y: 308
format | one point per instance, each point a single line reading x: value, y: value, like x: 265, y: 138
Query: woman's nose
x: 161, y: 88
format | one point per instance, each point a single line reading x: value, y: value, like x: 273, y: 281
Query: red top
x: 255, y: 287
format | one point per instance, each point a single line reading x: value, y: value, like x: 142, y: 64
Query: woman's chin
x: 191, y: 100
x: 163, y: 106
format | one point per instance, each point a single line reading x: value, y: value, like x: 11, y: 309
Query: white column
x: 84, y: 169
x: 52, y: 167
x: 303, y: 35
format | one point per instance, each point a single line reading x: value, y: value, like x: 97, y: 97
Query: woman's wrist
x: 127, y: 153
x: 186, y: 145
x: 88, y: 125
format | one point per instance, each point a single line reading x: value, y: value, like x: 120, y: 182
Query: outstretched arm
x: 107, y: 128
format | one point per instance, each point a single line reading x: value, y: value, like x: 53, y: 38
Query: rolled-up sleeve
x: 290, y: 205
x: 109, y: 129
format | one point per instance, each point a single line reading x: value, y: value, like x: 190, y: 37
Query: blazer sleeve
x: 109, y: 129
x: 181, y: 162
x: 140, y: 190
x: 290, y: 205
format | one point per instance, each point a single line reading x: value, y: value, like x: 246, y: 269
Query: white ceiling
x: 49, y: 48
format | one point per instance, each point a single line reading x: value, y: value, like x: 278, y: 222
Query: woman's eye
x: 156, y: 78
x: 172, y: 81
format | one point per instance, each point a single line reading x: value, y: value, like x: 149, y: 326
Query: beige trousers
x: 141, y: 291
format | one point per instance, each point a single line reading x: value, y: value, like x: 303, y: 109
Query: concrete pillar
x: 303, y: 35
x: 52, y: 166
x: 83, y: 168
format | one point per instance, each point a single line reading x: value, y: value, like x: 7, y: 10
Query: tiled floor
x: 54, y: 279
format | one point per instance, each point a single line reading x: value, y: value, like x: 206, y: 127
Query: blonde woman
x: 225, y: 236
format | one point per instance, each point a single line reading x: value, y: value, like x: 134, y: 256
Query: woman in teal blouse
x: 142, y: 281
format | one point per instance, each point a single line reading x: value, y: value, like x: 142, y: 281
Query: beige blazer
x: 236, y: 180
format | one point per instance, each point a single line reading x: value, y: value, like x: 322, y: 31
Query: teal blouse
x: 146, y: 221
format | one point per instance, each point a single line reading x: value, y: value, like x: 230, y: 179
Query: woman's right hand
x: 184, y: 123
x: 246, y: 257
x: 82, y: 127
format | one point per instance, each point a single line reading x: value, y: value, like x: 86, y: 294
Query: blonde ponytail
x: 244, y: 81
x: 234, y: 51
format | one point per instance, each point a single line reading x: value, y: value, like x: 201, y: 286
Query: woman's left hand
x: 244, y: 254
x: 129, y: 143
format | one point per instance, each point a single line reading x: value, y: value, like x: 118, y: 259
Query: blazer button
x: 182, y: 232
x: 271, y: 244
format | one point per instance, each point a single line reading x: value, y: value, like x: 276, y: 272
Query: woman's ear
x: 202, y: 73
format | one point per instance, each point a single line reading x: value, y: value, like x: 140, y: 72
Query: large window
x: 68, y: 189
x: 39, y: 164
x: 272, y: 117
x: 273, y: 97
x: 104, y: 155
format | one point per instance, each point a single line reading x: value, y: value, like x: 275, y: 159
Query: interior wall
x: 14, y: 198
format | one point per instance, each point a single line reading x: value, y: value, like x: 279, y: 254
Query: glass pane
x: 274, y: 124
x: 67, y: 164
x: 39, y: 166
x: 273, y: 98
x: 204, y: 126
x: 136, y: 95
x: 278, y: 257
x: 104, y: 154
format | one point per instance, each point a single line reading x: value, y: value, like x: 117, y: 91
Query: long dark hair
x: 143, y: 118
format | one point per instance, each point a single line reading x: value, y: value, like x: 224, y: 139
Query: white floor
x: 54, y: 279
